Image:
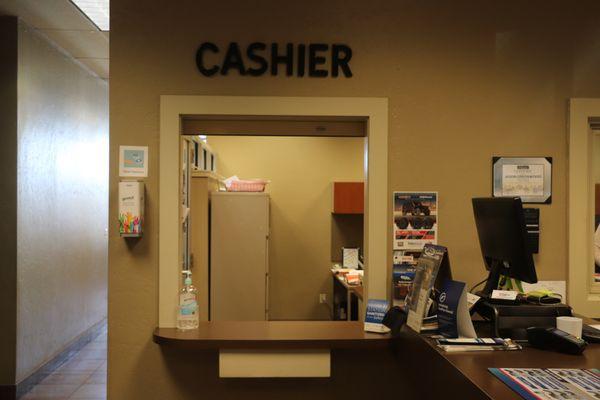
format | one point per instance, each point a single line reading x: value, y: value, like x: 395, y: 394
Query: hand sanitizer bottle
x: 187, y: 313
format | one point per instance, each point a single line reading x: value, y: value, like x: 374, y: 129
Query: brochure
x: 427, y: 269
x: 551, y: 383
x: 454, y: 318
x: 403, y: 275
x: 376, y: 310
x: 131, y: 208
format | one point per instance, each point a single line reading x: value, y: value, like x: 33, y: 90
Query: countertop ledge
x: 273, y: 335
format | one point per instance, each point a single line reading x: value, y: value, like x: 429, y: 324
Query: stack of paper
x: 478, y: 344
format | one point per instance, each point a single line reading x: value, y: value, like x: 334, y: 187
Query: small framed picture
x: 133, y: 161
x: 529, y: 178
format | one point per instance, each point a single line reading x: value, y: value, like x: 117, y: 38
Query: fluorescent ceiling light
x: 97, y: 11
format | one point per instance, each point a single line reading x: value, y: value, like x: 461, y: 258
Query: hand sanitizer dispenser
x: 131, y: 208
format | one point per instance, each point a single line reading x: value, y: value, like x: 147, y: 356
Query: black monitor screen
x: 501, y: 228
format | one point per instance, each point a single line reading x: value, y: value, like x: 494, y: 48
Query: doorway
x: 583, y: 289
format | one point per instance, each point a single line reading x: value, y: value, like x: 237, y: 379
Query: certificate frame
x: 529, y: 178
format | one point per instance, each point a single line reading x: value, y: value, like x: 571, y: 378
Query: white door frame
x: 581, y: 208
x: 378, y: 226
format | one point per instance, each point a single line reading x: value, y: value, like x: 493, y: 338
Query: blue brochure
x: 376, y: 310
x: 453, y: 315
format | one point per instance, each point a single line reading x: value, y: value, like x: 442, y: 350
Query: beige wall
x: 466, y: 80
x: 301, y: 170
x: 62, y: 201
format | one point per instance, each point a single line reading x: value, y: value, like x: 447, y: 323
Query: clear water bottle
x: 187, y: 313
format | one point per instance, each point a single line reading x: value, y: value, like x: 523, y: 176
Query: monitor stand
x: 496, y: 268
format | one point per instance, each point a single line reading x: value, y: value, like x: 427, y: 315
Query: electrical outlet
x: 322, y: 298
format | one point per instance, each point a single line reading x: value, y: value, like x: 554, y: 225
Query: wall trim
x: 377, y: 203
x: 8, y: 208
x: 580, y: 208
x: 61, y: 358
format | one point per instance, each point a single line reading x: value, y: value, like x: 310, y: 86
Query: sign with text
x: 315, y: 60
x: 375, y: 313
x: 133, y: 161
x: 454, y: 319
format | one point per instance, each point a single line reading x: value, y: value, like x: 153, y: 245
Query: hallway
x: 83, y: 376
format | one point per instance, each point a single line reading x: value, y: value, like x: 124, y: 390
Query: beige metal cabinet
x: 239, y: 264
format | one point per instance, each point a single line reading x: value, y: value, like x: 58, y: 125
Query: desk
x: 345, y: 297
x: 362, y: 364
x: 467, y: 373
x: 273, y: 349
x: 272, y: 335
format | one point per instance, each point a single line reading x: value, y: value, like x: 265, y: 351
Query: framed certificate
x: 527, y: 178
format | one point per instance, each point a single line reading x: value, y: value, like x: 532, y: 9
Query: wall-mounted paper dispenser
x: 131, y: 208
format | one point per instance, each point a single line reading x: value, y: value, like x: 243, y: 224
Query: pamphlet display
x: 131, y: 208
x: 551, y: 383
x: 376, y: 310
x: 454, y: 319
x: 418, y: 302
x: 403, y: 275
x: 415, y: 219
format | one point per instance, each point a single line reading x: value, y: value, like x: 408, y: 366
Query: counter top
x: 411, y: 361
x: 273, y: 335
x: 472, y: 367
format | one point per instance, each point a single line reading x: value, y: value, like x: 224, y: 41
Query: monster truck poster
x: 415, y: 219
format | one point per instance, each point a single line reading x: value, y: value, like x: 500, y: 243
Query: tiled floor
x: 81, y: 377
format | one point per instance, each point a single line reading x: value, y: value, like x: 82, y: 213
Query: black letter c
x: 200, y: 58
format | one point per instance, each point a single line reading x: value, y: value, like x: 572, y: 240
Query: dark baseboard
x: 65, y: 355
x: 8, y: 392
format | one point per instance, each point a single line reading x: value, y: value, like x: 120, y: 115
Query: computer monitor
x: 501, y: 228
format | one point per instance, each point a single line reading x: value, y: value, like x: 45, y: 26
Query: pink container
x: 249, y: 185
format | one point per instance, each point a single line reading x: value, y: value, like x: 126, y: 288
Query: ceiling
x: 67, y: 27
